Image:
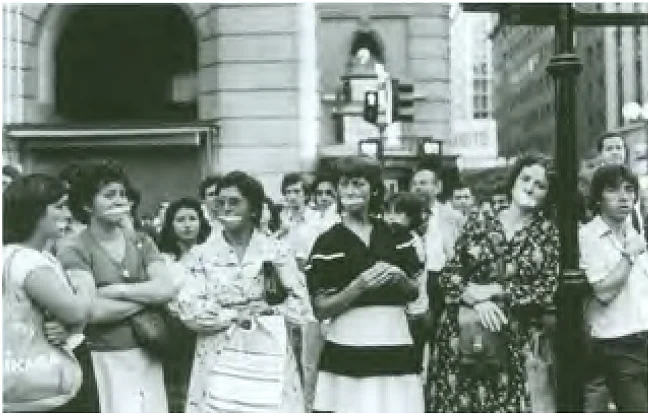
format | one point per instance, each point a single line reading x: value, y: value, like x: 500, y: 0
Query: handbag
x: 151, y: 331
x: 539, y: 379
x: 36, y: 376
x: 150, y: 326
x: 274, y: 291
x: 479, y: 347
x: 247, y: 375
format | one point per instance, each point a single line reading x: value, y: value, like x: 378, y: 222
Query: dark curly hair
x: 90, y: 180
x: 367, y: 168
x: 411, y: 205
x: 24, y: 203
x: 610, y: 176
x: 250, y: 188
x: 527, y: 160
x: 168, y: 240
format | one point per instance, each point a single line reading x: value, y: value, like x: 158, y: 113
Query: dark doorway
x: 117, y: 63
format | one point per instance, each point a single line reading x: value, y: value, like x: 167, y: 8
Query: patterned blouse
x: 219, y: 288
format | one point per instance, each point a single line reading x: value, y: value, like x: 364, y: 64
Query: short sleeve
x: 596, y: 264
x: 324, y: 263
x: 406, y: 257
x: 148, y: 250
x: 22, y: 262
x: 73, y: 256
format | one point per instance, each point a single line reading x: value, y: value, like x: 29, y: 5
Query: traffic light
x: 403, y: 109
x: 430, y: 147
x: 371, y: 107
x: 371, y: 147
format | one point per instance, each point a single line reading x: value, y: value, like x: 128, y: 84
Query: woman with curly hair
x: 132, y: 279
x: 243, y: 361
x: 496, y: 287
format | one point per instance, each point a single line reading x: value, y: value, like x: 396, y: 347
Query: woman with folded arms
x: 131, y: 276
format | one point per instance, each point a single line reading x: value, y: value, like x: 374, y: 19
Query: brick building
x: 251, y: 76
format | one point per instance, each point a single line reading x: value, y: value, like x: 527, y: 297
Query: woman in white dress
x: 361, y: 275
x: 243, y: 360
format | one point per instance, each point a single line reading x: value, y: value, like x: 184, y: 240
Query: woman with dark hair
x: 361, y: 275
x: 408, y: 210
x: 35, y: 210
x: 501, y: 278
x: 132, y: 280
x: 615, y: 259
x: 184, y: 226
x: 243, y: 360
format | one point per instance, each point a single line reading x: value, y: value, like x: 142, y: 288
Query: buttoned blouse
x: 221, y: 285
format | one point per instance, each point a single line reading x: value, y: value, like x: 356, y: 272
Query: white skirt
x: 368, y: 326
x: 129, y: 381
x: 379, y: 394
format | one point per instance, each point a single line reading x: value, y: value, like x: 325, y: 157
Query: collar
x: 602, y: 229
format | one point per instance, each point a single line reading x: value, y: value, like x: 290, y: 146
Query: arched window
x: 116, y: 63
x: 368, y: 39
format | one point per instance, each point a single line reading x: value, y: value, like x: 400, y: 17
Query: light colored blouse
x: 220, y: 287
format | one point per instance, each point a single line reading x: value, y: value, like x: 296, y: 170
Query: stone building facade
x: 260, y: 75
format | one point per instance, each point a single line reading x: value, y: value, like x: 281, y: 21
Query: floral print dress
x: 530, y: 261
x: 219, y: 287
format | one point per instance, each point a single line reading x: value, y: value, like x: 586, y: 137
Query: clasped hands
x: 480, y: 298
x: 381, y: 273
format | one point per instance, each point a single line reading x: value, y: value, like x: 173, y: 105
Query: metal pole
x: 570, y: 341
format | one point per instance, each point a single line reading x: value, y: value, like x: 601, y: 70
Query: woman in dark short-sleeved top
x: 361, y: 275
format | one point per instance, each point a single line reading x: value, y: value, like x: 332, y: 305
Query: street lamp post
x: 565, y: 67
x: 570, y: 342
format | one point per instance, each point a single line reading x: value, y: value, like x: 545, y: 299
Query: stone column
x: 308, y: 85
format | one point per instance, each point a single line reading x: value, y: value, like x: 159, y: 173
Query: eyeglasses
x: 211, y: 194
x: 222, y: 202
x: 324, y: 193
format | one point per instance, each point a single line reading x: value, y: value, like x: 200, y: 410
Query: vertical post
x: 570, y: 341
x: 308, y: 86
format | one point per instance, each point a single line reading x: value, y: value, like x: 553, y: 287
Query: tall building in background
x: 614, y: 73
x: 474, y: 131
x: 523, y: 91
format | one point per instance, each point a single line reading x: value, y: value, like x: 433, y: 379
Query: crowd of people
x: 340, y: 299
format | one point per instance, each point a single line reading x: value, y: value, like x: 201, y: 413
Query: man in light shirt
x: 208, y: 196
x: 612, y: 149
x: 444, y: 226
x: 299, y: 223
x: 614, y: 257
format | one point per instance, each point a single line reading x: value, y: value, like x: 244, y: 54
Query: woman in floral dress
x: 224, y: 300
x: 524, y: 239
